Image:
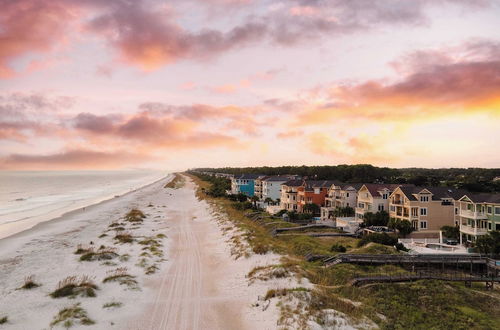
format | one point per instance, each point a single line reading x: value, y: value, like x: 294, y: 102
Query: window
x: 309, y: 199
x: 489, y: 209
x: 424, y: 198
x: 497, y: 210
x: 414, y: 211
x: 380, y: 207
x: 366, y: 195
x: 384, y: 196
x: 423, y: 224
x: 456, y: 210
x: 347, y: 194
x: 489, y: 225
x: 393, y: 208
x: 423, y: 211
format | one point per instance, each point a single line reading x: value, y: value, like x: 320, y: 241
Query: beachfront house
x: 477, y: 214
x: 427, y: 208
x: 258, y: 186
x: 244, y: 184
x: 289, y: 190
x: 339, y: 196
x: 313, y: 192
x: 373, y: 197
x: 271, y: 186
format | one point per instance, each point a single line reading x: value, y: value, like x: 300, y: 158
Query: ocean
x: 30, y: 197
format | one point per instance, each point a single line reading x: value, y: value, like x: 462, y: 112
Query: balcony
x: 398, y: 202
x: 473, y: 230
x: 472, y: 215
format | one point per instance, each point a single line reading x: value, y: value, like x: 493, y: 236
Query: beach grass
x: 69, y: 315
x: 73, y: 286
x: 4, y: 319
x: 29, y: 283
x: 113, y: 304
x: 177, y: 182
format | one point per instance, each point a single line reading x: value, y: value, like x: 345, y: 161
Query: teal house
x: 244, y: 184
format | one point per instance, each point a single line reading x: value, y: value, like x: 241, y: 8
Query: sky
x: 119, y: 84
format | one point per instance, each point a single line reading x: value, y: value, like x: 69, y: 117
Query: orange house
x: 313, y: 192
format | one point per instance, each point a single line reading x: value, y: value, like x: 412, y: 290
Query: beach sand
x: 197, y: 283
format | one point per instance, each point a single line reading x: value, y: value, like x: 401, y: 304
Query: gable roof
x: 278, y: 178
x: 294, y: 183
x: 356, y: 186
x: 311, y: 184
x: 248, y: 176
x: 438, y: 193
x: 483, y: 197
x: 375, y: 188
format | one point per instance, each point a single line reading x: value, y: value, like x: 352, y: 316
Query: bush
x: 489, y: 243
x: 135, y: 215
x: 242, y: 206
x: 4, y: 320
x: 72, y: 286
x: 71, y: 314
x: 29, y: 283
x: 400, y: 247
x: 380, y: 238
x: 260, y: 248
x: 338, y: 248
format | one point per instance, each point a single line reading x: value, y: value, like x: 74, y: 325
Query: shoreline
x: 8, y: 243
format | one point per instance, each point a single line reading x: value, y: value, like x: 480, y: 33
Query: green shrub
x: 380, y: 238
x: 338, y: 248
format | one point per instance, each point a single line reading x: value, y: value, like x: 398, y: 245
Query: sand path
x: 192, y: 293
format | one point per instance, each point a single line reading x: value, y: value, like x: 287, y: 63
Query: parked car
x: 451, y: 241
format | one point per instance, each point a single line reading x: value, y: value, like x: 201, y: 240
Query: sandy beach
x: 186, y: 279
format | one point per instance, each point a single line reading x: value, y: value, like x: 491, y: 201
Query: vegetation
x: 73, y: 286
x: 380, y: 238
x: 29, y: 283
x: 177, y: 182
x: 121, y: 276
x: 472, y: 179
x: 69, y: 315
x: 135, y: 215
x: 124, y: 237
x: 311, y: 208
x: 404, y: 227
x: 4, y: 319
x: 112, y: 304
x: 381, y: 218
x: 251, y: 231
x: 338, y: 248
x: 346, y: 211
x: 489, y: 243
x: 451, y: 232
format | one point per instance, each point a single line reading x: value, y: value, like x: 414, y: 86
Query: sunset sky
x: 111, y: 84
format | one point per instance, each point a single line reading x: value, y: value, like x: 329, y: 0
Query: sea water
x: 30, y: 197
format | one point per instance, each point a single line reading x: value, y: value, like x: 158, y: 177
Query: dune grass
x: 121, y: 276
x: 4, y: 319
x: 29, y: 283
x: 68, y: 316
x: 177, y: 182
x: 73, y: 286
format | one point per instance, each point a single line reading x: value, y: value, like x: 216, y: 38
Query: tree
x: 381, y: 218
x: 254, y: 199
x: 403, y: 226
x: 489, y: 243
x: 311, y: 208
x: 451, y: 232
x: 268, y: 200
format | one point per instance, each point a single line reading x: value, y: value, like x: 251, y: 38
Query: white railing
x: 473, y: 230
x: 472, y: 215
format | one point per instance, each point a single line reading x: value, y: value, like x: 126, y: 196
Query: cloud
x: 150, y: 35
x: 74, y: 159
x: 463, y: 84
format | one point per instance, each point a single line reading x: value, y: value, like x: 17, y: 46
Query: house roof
x: 294, y: 183
x: 438, y: 193
x: 483, y: 198
x: 310, y: 184
x: 375, y: 188
x: 248, y: 176
x: 356, y: 186
x: 278, y: 178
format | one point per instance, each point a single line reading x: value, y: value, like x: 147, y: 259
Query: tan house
x: 373, y: 197
x: 427, y: 208
x: 289, y: 191
x: 339, y: 195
